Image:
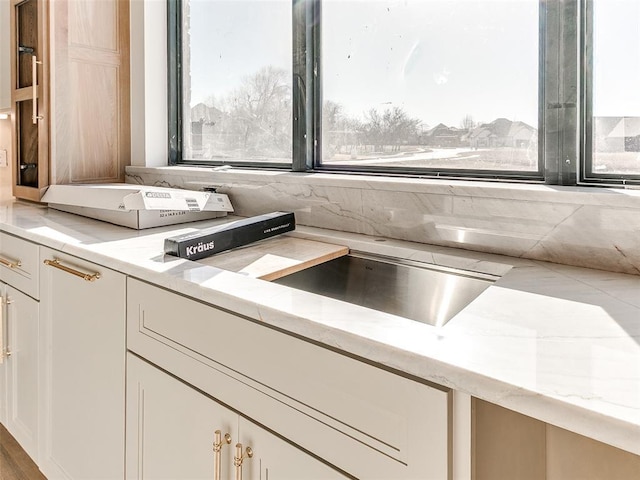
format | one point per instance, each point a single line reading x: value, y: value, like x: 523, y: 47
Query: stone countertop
x: 558, y: 343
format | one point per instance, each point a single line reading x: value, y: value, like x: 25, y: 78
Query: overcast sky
x: 438, y: 59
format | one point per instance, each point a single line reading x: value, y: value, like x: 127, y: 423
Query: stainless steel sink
x: 418, y: 291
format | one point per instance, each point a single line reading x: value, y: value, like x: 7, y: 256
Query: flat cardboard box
x: 137, y: 206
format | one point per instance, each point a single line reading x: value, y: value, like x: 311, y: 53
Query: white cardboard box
x: 137, y: 206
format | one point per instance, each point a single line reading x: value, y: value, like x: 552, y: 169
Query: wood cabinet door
x: 30, y: 97
x: 21, y: 337
x: 90, y: 124
x: 83, y: 369
x: 5, y: 55
x: 170, y: 428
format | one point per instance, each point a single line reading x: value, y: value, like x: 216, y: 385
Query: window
x: 613, y: 98
x: 502, y: 89
x: 430, y: 84
x: 236, y: 82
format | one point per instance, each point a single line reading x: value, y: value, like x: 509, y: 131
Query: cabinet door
x: 21, y: 336
x: 30, y: 97
x: 170, y: 428
x: 83, y: 384
x: 276, y: 459
x: 3, y: 363
x: 90, y: 125
x: 5, y: 62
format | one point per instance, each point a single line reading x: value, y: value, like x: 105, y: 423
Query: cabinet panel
x: 19, y: 264
x: 5, y: 55
x: 275, y: 459
x: 79, y: 130
x: 510, y: 445
x: 94, y: 104
x: 367, y: 421
x: 170, y: 435
x: 83, y: 345
x: 27, y: 32
x: 22, y: 330
x: 30, y: 97
x: 90, y: 24
x: 170, y: 428
x: 90, y: 91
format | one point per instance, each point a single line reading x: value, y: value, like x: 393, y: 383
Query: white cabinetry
x: 171, y: 432
x: 19, y: 332
x: 5, y: 55
x: 83, y: 366
x: 365, y: 421
x: 21, y: 367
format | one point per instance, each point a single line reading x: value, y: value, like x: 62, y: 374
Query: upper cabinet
x: 69, y: 93
x: 5, y: 62
x: 30, y: 97
x: 89, y: 91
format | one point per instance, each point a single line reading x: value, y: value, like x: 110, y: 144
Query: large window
x: 430, y: 84
x: 236, y: 81
x: 501, y: 89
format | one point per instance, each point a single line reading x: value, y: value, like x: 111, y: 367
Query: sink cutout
x: 418, y: 291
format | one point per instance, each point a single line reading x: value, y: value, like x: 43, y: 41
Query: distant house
x: 205, y: 114
x: 502, y: 133
x: 443, y: 136
x: 209, y: 127
x: 625, y: 135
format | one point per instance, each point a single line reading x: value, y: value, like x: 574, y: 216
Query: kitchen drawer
x: 365, y: 420
x: 19, y: 264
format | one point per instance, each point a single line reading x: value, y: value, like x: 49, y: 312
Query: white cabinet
x: 171, y: 433
x: 83, y: 366
x: 276, y: 459
x: 364, y: 420
x: 5, y: 55
x: 20, y: 337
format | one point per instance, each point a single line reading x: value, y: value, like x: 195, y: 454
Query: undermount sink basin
x: 419, y: 291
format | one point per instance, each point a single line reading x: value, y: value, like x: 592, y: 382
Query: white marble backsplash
x: 582, y: 226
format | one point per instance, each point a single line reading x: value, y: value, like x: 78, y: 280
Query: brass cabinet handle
x: 218, y: 443
x: 4, y: 329
x: 89, y: 277
x: 9, y: 263
x: 34, y: 89
x: 239, y: 459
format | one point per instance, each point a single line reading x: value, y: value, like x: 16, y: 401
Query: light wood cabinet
x: 70, y: 93
x: 508, y: 445
x: 83, y: 369
x: 171, y: 434
x: 5, y: 56
x: 30, y: 97
x: 90, y: 125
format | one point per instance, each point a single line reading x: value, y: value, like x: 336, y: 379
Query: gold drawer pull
x: 240, y: 458
x: 9, y: 263
x: 89, y: 277
x: 218, y: 443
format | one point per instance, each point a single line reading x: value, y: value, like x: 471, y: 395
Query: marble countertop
x: 558, y: 343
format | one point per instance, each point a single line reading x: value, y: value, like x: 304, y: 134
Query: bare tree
x: 467, y: 122
x: 260, y: 110
x: 393, y: 127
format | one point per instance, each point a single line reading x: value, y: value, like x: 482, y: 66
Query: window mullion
x: 561, y: 92
x: 302, y: 88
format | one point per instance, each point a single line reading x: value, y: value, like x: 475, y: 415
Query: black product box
x: 209, y: 241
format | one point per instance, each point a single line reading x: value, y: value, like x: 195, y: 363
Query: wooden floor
x: 15, y: 464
